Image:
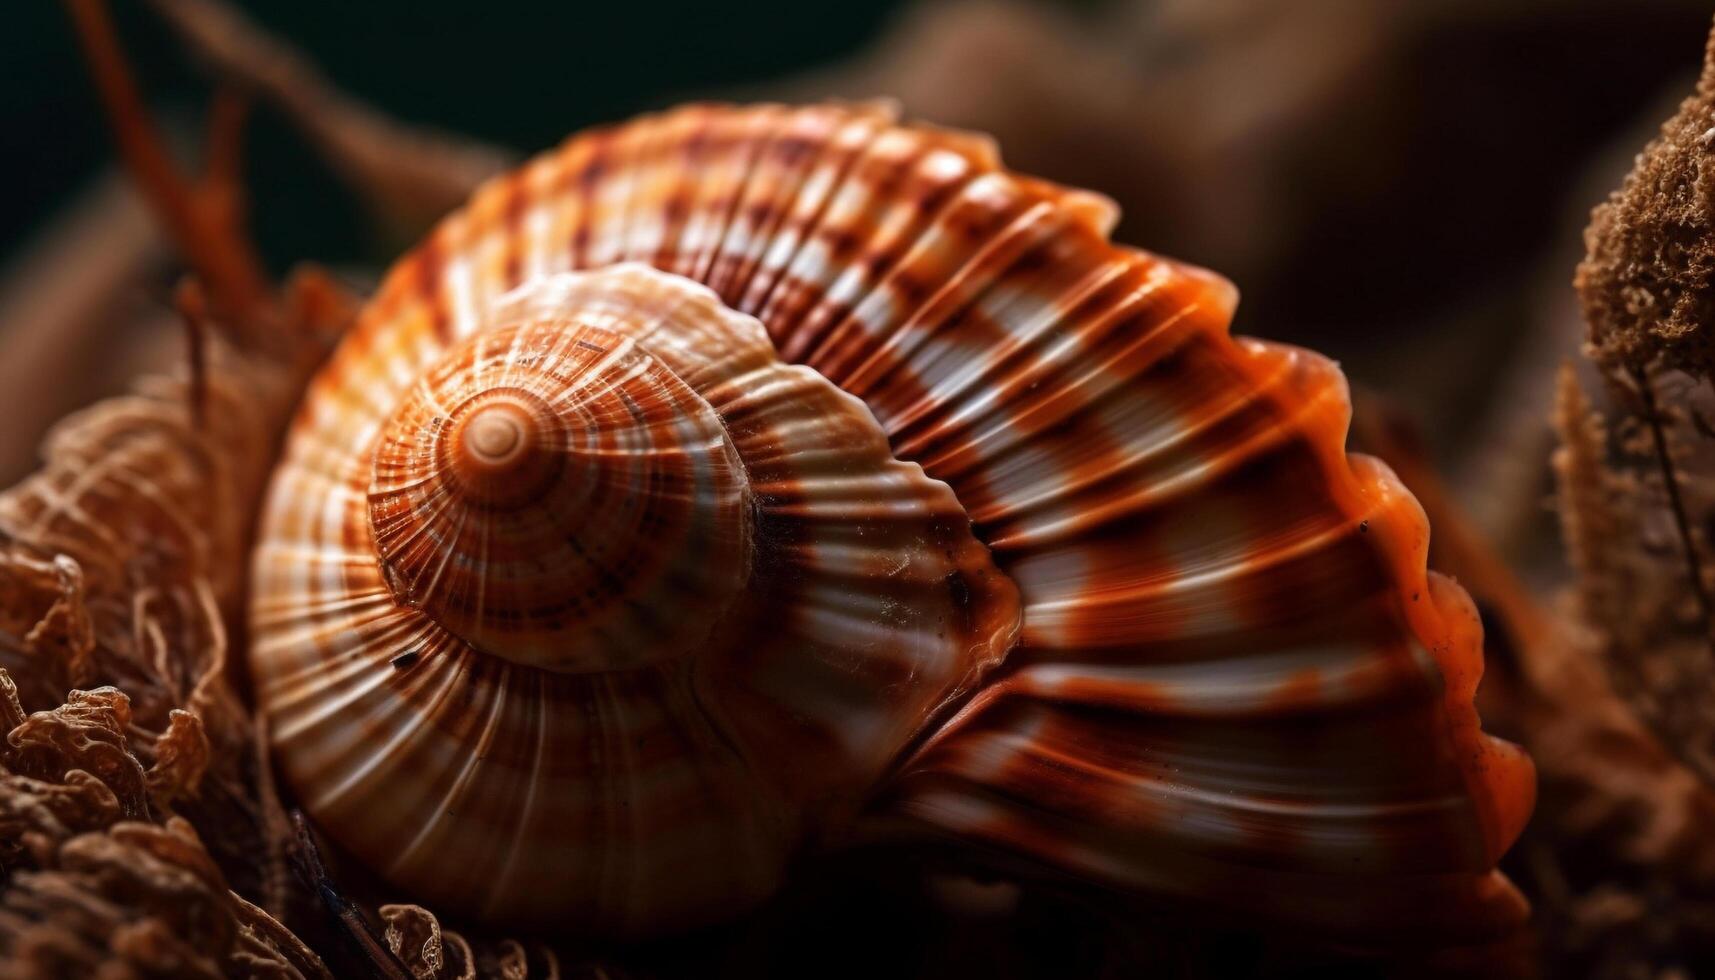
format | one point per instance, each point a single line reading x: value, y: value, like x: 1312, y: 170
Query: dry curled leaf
x: 130, y: 544
x: 181, y: 758
x: 86, y: 733
x: 65, y: 632
x: 414, y: 935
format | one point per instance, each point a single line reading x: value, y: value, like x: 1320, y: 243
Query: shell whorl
x: 554, y: 495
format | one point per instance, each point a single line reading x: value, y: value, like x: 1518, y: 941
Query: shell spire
x: 557, y: 497
x: 1020, y: 549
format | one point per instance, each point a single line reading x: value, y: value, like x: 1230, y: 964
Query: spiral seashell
x: 742, y: 480
x: 619, y: 600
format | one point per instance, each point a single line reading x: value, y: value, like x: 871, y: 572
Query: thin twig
x: 224, y: 260
x: 361, y: 939
x: 188, y: 299
x: 1676, y: 501
x: 223, y: 165
x: 408, y: 175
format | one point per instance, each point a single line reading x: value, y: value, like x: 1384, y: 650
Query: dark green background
x: 519, y: 74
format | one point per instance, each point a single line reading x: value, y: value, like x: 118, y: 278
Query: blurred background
x: 1401, y: 185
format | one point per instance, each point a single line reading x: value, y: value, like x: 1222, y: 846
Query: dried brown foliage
x: 1638, y: 511
x: 431, y: 953
x: 122, y: 564
x: 94, y: 886
x: 1648, y: 283
x: 1638, y: 480
x: 1618, y: 861
x: 1626, y: 864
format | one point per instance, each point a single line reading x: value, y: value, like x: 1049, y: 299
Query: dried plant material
x: 414, y: 935
x: 181, y: 758
x: 1648, y: 284
x: 42, y: 604
x: 429, y: 952
x: 139, y: 900
x: 1619, y: 861
x: 124, y: 555
x: 1638, y: 487
x: 1637, y: 503
x: 407, y: 175
x: 264, y: 942
x: 65, y: 632
x: 11, y: 708
x: 36, y: 814
x: 201, y: 217
x: 1589, y: 514
x: 122, y: 559
x: 91, y: 890
x: 153, y: 513
x: 1625, y: 870
x: 86, y: 733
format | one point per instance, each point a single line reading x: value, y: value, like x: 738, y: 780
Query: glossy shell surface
x: 702, y: 606
x: 937, y: 514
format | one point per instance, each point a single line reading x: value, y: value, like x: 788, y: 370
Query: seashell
x: 619, y: 600
x: 738, y: 480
